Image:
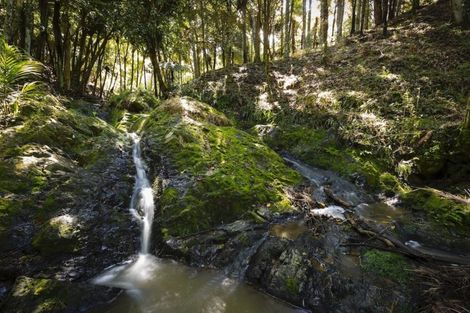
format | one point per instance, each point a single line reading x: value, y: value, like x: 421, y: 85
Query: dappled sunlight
x: 373, y: 121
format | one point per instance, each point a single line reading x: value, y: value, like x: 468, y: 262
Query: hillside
x: 398, y: 103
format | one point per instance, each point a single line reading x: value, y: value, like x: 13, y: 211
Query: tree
x: 154, y: 22
x: 241, y: 5
x: 304, y: 23
x: 287, y: 28
x: 378, y: 14
x: 324, y: 4
x: 339, y: 20
x: 385, y: 16
x: 353, y: 16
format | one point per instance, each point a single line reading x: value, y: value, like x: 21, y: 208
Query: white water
x: 142, y: 205
x: 163, y: 286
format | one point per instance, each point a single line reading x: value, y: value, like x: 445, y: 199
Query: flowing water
x: 156, y: 285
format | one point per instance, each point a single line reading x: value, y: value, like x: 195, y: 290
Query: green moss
x: 391, y: 185
x: 292, y: 285
x: 386, y: 265
x: 41, y: 295
x: 317, y: 148
x: 58, y: 235
x: 444, y: 209
x: 230, y: 171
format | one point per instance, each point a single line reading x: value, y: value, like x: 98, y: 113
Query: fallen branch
x: 395, y: 245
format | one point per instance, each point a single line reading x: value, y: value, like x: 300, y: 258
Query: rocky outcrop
x: 65, y: 180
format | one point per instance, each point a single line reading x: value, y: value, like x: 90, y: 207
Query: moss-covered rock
x: 223, y: 172
x: 39, y: 154
x: 39, y: 295
x: 58, y: 235
x: 319, y: 148
x: 445, y: 209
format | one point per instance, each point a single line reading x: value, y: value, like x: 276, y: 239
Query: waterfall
x: 142, y: 206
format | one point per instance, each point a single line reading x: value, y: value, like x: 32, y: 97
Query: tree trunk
x: 385, y: 17
x: 363, y: 15
x: 353, y: 16
x: 358, y: 15
x: 154, y: 49
x: 309, y: 25
x: 315, y: 33
x: 324, y: 23
x: 244, y: 36
x: 28, y: 25
x: 293, y: 26
x: 287, y: 30
x: 256, y: 30
x: 43, y: 20
x: 59, y: 54
x: 334, y: 22
x: 304, y: 23
x: 378, y: 14
x: 339, y: 20
x: 132, y: 68
x: 266, y: 30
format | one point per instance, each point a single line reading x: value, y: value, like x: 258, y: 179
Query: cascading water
x: 163, y: 286
x: 142, y: 205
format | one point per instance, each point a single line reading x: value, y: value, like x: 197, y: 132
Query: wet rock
x: 310, y: 268
x: 58, y: 235
x: 47, y: 295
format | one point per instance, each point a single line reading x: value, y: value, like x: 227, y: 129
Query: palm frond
x: 16, y: 73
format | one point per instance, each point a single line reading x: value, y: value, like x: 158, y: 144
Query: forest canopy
x: 99, y: 46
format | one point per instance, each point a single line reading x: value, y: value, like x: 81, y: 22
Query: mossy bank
x: 218, y: 173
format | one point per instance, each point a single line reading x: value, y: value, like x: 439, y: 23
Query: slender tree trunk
x: 203, y: 30
x: 43, y: 21
x: 385, y: 17
x: 304, y: 24
x: 9, y: 22
x: 367, y: 17
x: 266, y: 30
x: 353, y: 16
x: 339, y: 20
x: 287, y: 29
x: 315, y: 33
x: 358, y: 15
x: 378, y: 14
x: 59, y: 54
x: 126, y: 54
x: 363, y: 15
x: 309, y: 25
x: 132, y: 68
x: 28, y: 25
x: 256, y: 30
x: 334, y: 22
x: 282, y: 28
x: 324, y: 23
x: 293, y: 26
x: 244, y: 35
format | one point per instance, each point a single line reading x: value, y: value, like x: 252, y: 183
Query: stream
x: 157, y: 285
